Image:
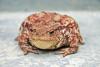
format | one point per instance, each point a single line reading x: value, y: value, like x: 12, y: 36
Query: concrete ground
x: 86, y: 13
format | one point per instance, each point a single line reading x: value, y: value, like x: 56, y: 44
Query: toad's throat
x: 43, y: 44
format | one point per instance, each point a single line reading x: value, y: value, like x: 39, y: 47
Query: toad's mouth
x: 44, y: 43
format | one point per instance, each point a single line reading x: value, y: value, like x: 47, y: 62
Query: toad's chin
x: 43, y: 44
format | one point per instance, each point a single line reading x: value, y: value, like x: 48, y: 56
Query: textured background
x: 59, y: 5
x: 86, y: 13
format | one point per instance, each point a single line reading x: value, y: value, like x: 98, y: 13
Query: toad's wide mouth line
x: 45, y: 38
x: 42, y: 44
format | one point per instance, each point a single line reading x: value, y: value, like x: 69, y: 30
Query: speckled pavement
x: 88, y: 54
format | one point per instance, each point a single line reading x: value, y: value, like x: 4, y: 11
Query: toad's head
x: 46, y: 30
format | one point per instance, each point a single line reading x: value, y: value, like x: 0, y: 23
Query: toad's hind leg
x: 81, y: 41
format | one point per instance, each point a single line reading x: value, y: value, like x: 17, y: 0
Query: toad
x: 49, y: 30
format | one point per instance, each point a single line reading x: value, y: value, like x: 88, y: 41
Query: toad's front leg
x: 26, y: 48
x: 73, y: 40
x: 24, y: 44
x: 73, y: 46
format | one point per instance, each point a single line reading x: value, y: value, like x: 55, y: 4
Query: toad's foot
x: 68, y: 51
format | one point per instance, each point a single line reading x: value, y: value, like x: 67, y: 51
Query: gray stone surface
x: 87, y: 56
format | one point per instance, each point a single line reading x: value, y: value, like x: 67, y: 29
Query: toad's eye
x: 51, y: 32
x: 33, y: 30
